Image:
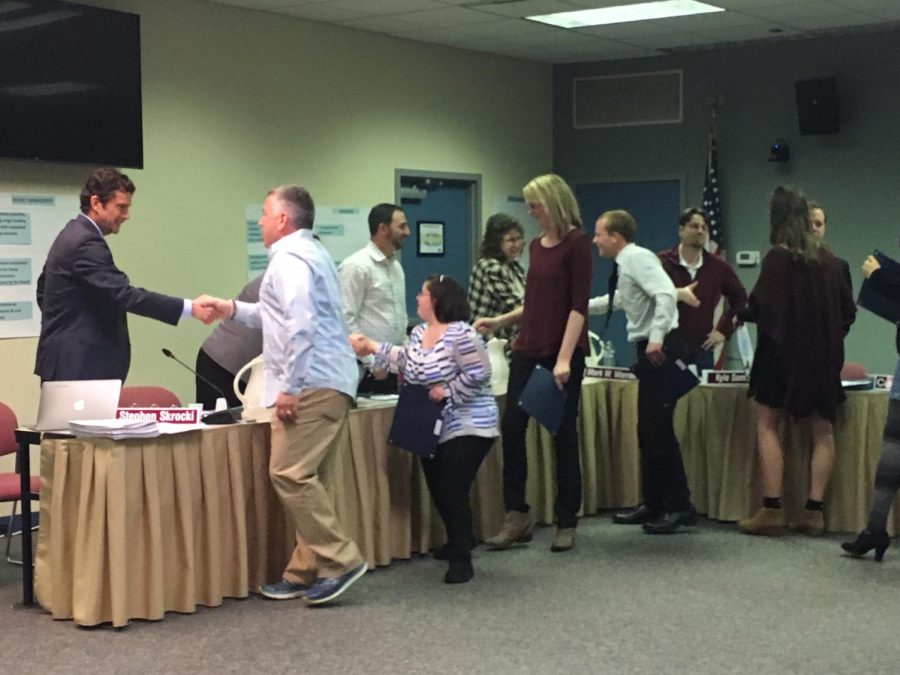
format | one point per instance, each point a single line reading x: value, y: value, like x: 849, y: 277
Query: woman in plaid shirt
x: 497, y: 284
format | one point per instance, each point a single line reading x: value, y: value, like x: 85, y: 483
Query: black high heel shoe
x: 866, y: 541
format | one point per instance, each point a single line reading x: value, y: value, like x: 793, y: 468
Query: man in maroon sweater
x: 701, y: 279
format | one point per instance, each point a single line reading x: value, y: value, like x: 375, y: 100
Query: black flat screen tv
x: 70, y: 84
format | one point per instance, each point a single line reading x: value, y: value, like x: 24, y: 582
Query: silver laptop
x: 77, y: 400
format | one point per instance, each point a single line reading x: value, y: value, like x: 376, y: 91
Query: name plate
x: 609, y: 373
x: 882, y: 382
x: 189, y: 415
x: 725, y: 377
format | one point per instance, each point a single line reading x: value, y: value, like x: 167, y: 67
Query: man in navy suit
x: 84, y: 298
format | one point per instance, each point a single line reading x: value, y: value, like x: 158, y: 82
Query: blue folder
x: 672, y: 380
x: 543, y: 400
x: 874, y: 300
x: 416, y: 426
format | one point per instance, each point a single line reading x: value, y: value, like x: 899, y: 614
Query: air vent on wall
x: 627, y: 100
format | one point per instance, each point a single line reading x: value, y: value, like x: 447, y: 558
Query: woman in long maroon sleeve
x: 803, y: 310
x: 553, y: 333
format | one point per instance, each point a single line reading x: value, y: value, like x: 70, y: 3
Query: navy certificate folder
x: 672, y: 380
x: 417, y: 421
x: 874, y: 300
x: 543, y: 400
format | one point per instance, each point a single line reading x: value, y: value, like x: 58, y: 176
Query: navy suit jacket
x: 84, y: 300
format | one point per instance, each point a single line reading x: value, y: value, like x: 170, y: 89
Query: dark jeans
x: 449, y: 475
x: 663, y: 482
x: 515, y: 458
x: 220, y: 377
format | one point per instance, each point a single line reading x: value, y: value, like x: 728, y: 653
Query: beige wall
x: 236, y: 101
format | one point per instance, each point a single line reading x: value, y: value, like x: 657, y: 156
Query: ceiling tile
x: 379, y: 7
x: 672, y: 25
x: 504, y: 27
x: 869, y: 6
x: 529, y: 7
x: 260, y: 4
x: 844, y: 21
x: 381, y: 24
x: 756, y: 32
x: 322, y: 11
x: 449, y: 16
x: 668, y: 41
x: 795, y: 12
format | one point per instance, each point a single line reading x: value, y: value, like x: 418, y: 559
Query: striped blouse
x: 459, y: 362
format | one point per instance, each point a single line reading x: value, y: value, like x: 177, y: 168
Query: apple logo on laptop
x: 79, y: 405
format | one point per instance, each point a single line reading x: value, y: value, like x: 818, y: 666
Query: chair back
x: 147, y: 397
x: 8, y: 424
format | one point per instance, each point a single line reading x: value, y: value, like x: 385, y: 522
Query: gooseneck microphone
x: 220, y: 416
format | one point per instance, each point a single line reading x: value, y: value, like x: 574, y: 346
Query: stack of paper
x: 115, y: 429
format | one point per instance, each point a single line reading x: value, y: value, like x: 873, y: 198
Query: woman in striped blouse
x: 446, y: 354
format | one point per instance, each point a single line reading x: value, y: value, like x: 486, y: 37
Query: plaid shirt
x: 496, y: 288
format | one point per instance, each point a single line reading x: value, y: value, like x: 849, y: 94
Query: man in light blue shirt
x: 310, y: 378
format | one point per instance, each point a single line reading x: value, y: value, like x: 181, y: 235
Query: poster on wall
x: 28, y: 225
x: 341, y: 229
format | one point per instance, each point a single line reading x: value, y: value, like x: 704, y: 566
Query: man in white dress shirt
x: 647, y: 295
x: 373, y: 290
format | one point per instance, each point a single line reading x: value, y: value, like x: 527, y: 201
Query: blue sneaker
x: 283, y: 590
x: 326, y: 590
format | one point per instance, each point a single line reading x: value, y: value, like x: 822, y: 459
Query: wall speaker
x: 817, y: 106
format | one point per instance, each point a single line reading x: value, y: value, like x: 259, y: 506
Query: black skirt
x: 768, y: 376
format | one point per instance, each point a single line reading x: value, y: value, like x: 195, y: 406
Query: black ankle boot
x: 459, y: 572
x: 866, y: 541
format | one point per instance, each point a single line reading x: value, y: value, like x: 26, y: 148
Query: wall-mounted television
x: 70, y: 83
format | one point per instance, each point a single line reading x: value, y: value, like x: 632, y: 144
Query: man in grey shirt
x: 228, y: 349
x: 647, y: 295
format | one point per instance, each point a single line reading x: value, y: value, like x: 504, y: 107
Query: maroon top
x: 806, y: 308
x: 715, y: 278
x: 559, y: 281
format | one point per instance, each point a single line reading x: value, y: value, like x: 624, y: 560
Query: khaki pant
x: 302, y: 453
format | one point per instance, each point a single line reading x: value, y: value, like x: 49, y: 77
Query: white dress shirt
x: 299, y: 310
x: 645, y: 292
x: 373, y: 295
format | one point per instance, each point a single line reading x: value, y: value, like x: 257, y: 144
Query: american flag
x: 711, y: 200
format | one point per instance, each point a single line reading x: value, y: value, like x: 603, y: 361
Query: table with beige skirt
x: 133, y: 529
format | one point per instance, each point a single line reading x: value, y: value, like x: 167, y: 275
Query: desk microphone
x: 219, y: 416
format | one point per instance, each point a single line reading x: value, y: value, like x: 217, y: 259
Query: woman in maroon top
x: 553, y: 333
x: 802, y: 309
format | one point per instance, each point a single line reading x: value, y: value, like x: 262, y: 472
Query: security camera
x: 779, y: 152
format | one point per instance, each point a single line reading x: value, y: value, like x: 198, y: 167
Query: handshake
x: 207, y: 309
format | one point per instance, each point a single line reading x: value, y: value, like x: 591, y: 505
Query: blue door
x: 447, y: 204
x: 656, y: 206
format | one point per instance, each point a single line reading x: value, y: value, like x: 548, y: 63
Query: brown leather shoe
x: 809, y: 522
x: 518, y: 527
x: 766, y: 522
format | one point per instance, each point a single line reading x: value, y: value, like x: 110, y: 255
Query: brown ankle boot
x: 564, y: 539
x: 517, y: 527
x: 810, y: 522
x: 766, y: 522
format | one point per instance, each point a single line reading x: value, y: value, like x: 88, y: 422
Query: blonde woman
x: 552, y: 332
